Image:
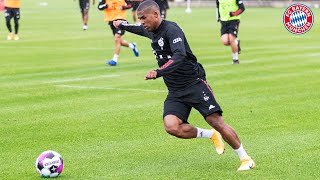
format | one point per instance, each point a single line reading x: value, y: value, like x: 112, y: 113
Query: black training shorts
x: 84, y: 5
x: 135, y: 5
x: 116, y: 30
x: 230, y: 27
x: 12, y: 13
x: 198, y: 96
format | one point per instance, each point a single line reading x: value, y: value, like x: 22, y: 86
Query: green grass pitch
x: 57, y: 93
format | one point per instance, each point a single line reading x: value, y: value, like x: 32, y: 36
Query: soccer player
x: 116, y: 10
x: 12, y: 10
x: 135, y: 4
x: 84, y: 8
x: 163, y: 5
x: 186, y: 83
x: 228, y: 13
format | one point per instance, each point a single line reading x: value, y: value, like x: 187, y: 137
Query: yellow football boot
x: 217, y: 141
x: 247, y: 164
x: 16, y: 37
x: 10, y: 36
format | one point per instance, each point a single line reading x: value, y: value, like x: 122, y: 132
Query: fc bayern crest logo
x: 298, y: 18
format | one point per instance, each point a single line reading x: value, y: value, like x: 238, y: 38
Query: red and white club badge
x: 298, y: 18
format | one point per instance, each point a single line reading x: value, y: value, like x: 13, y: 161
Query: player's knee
x: 225, y: 42
x: 172, y: 125
x: 216, y: 121
x: 171, y: 128
x: 225, y: 39
x: 117, y: 39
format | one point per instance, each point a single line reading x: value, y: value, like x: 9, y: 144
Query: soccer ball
x: 49, y: 164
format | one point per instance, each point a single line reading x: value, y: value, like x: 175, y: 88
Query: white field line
x: 228, y: 63
x: 69, y: 80
x: 81, y: 79
x: 292, y: 57
x: 68, y: 71
x: 314, y: 54
x: 110, y: 88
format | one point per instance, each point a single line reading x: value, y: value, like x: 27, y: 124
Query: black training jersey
x: 177, y: 64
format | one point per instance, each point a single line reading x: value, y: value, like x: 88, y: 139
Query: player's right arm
x: 102, y: 5
x: 133, y: 28
x: 151, y: 75
x: 217, y: 12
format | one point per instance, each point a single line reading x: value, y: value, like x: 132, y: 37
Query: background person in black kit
x: 163, y: 5
x: 84, y: 8
x: 185, y: 79
x: 135, y: 4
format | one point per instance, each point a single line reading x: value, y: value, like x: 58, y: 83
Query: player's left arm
x: 176, y: 40
x: 240, y: 10
x: 133, y: 28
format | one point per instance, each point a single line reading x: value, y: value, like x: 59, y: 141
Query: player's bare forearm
x: 151, y: 75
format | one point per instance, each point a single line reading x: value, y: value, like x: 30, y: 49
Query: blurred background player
x: 135, y: 4
x: 84, y: 8
x: 163, y: 5
x: 116, y: 10
x: 1, y: 5
x: 228, y: 13
x: 12, y: 10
